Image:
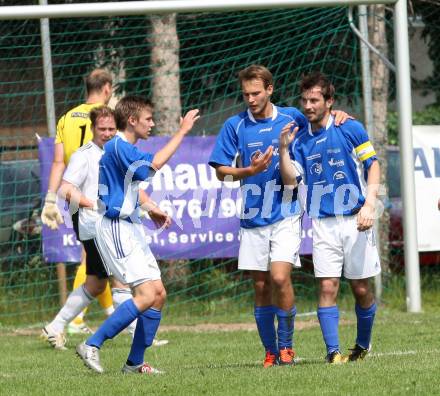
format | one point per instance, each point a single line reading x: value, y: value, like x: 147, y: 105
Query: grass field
x: 209, y: 361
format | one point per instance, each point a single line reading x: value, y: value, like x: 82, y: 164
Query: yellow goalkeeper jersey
x: 73, y: 129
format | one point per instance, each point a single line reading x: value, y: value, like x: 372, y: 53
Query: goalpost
x: 44, y: 11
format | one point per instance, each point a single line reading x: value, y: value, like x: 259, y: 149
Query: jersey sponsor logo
x: 316, y: 168
x: 339, y: 175
x: 322, y: 140
x: 333, y: 151
x: 314, y: 156
x: 255, y: 144
x: 78, y: 114
x: 265, y: 130
x: 337, y: 163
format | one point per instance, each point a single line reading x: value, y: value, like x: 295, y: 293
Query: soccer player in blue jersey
x: 120, y: 236
x: 80, y: 187
x: 247, y: 150
x: 340, y: 168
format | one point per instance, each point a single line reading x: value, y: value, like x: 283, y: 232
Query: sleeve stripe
x: 365, y: 151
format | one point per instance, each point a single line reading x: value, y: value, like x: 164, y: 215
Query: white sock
x: 108, y: 311
x: 80, y: 316
x: 75, y: 303
x: 119, y: 296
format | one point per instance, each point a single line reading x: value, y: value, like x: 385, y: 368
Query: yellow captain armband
x: 365, y: 151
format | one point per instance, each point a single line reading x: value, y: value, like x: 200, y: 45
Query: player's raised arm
x: 186, y: 124
x: 287, y: 170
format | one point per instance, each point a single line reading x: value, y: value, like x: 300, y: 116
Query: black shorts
x: 94, y: 264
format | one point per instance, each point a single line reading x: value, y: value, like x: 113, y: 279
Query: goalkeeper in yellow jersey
x: 73, y: 131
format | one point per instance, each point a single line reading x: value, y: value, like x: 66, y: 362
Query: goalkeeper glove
x: 51, y: 215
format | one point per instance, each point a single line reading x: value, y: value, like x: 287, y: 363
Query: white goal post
x: 402, y: 61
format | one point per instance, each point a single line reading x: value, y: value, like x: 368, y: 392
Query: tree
x: 165, y: 73
x: 165, y: 88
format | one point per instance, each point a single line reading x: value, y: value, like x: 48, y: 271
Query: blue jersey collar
x: 274, y: 114
x: 122, y: 136
x: 328, y: 125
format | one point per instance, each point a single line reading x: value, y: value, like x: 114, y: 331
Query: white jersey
x: 83, y: 172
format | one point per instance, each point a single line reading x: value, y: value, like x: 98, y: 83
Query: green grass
x: 404, y: 361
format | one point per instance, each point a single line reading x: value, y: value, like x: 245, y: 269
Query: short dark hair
x: 319, y: 79
x: 256, y: 71
x: 97, y: 79
x: 100, y: 112
x: 130, y: 106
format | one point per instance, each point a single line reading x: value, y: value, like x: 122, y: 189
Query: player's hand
x: 188, y: 121
x: 51, y: 215
x: 287, y: 134
x: 159, y: 218
x: 341, y: 117
x: 365, y: 217
x: 260, y: 162
x: 92, y: 205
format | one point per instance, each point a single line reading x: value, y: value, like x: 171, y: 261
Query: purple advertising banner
x: 205, y: 211
x: 59, y: 246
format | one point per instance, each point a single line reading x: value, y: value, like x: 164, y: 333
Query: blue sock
x: 146, y: 329
x: 286, y: 322
x: 115, y: 323
x: 329, y: 322
x: 265, y: 318
x: 365, y: 319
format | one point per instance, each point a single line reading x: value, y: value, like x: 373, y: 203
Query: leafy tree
x: 429, y: 116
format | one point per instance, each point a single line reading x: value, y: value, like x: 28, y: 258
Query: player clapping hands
x: 260, y: 162
x: 287, y: 134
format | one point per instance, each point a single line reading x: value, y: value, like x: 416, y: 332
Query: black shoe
x: 358, y: 353
x: 336, y: 358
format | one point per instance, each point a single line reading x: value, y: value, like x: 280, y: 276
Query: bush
x: 428, y: 116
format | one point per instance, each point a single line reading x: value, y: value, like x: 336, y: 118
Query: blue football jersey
x: 241, y: 137
x: 121, y: 169
x: 334, y: 163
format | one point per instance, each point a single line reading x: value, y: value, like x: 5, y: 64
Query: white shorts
x: 125, y: 252
x: 261, y: 246
x: 337, y: 243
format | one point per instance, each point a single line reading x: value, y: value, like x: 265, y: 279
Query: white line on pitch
x: 394, y: 353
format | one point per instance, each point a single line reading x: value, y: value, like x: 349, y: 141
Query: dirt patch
x: 198, y: 328
x: 224, y: 327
